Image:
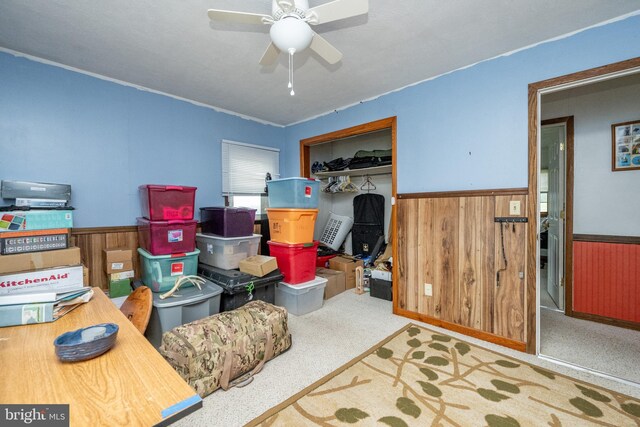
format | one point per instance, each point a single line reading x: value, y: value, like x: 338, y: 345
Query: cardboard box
x: 117, y: 260
x: 348, y: 266
x: 60, y: 279
x: 35, y: 220
x: 258, y: 265
x: 120, y: 276
x: 119, y: 288
x: 336, y: 281
x: 39, y: 260
x: 381, y: 274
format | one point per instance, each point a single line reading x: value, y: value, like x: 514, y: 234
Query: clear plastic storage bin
x: 302, y: 298
x: 293, y: 193
x: 226, y: 252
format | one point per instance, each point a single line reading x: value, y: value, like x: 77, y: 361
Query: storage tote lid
x: 147, y: 255
x: 227, y: 209
x: 294, y: 245
x: 188, y: 295
x: 301, y: 288
x: 293, y: 178
x: 157, y: 187
x: 234, y: 281
x: 205, y: 236
x: 169, y: 222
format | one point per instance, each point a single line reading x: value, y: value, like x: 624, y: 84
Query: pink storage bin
x: 167, y: 202
x: 167, y: 237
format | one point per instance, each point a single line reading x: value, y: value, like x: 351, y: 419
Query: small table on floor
x: 130, y: 385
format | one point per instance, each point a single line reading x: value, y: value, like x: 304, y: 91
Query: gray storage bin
x: 191, y: 304
x: 302, y: 298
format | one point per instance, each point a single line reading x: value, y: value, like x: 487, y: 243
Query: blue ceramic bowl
x: 86, y: 343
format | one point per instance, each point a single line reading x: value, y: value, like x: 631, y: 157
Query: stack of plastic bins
x: 166, y: 235
x: 293, y: 209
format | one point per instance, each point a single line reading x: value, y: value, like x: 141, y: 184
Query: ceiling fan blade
x: 241, y: 17
x: 337, y: 9
x: 270, y: 55
x: 325, y: 49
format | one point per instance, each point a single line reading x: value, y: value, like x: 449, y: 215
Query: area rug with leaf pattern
x: 418, y: 377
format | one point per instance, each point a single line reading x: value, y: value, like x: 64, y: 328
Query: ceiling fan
x: 291, y: 31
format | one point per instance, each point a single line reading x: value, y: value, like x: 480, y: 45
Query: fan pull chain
x: 290, y: 86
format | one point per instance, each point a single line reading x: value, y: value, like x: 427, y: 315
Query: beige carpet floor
x: 324, y: 340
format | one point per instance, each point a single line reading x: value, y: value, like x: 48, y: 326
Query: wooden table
x: 130, y: 385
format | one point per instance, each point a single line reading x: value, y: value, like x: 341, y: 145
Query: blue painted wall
x: 468, y: 130
x: 105, y: 139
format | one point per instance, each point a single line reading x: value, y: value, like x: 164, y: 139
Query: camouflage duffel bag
x: 227, y: 349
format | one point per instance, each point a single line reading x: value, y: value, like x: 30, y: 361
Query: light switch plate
x: 428, y: 289
x: 514, y: 207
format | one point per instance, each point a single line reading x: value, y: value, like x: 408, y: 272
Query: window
x: 244, y: 170
x: 544, y: 190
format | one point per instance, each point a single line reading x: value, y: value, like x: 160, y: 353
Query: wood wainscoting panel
x: 510, y: 280
x: 454, y: 244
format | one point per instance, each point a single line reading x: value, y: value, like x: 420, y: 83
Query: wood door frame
x: 568, y: 201
x: 532, y: 214
x: 378, y: 125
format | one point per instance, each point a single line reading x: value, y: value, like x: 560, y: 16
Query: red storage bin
x: 167, y: 237
x: 297, y: 262
x: 167, y: 202
x: 323, y: 261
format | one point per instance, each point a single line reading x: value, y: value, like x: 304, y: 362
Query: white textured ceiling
x: 172, y: 47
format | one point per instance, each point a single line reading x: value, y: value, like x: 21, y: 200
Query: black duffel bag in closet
x: 368, y: 226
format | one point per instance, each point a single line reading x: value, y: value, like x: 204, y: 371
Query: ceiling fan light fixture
x: 291, y: 33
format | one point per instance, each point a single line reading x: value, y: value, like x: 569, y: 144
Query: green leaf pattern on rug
x: 438, y: 346
x: 415, y: 343
x: 631, y: 409
x: 463, y: 348
x: 408, y: 407
x: 417, y: 354
x: 442, y: 338
x: 586, y: 407
x: 431, y: 375
x: 350, y: 415
x: 505, y: 386
x: 507, y: 364
x: 413, y: 331
x: 436, y: 361
x: 544, y: 373
x: 491, y: 395
x: 393, y: 422
x: 589, y: 392
x: 494, y: 420
x: 384, y: 353
x: 430, y: 389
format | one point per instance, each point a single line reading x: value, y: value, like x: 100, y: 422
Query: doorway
x: 596, y: 98
x: 556, y: 181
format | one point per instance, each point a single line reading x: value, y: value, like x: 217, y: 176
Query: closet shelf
x: 376, y: 170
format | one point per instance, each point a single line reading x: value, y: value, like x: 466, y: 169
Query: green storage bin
x: 160, y: 272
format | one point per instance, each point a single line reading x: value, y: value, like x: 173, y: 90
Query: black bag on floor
x: 368, y: 226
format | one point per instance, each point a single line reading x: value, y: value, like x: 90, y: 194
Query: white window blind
x: 245, y: 167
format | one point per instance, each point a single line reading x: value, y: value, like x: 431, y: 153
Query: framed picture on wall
x: 625, y: 146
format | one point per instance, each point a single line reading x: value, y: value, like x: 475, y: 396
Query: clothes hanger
x: 367, y: 184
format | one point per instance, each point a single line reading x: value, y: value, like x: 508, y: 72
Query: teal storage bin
x: 300, y: 193
x: 160, y: 272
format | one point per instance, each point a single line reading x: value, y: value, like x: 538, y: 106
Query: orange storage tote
x: 292, y: 226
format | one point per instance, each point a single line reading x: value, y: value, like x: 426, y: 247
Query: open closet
x: 372, y: 173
